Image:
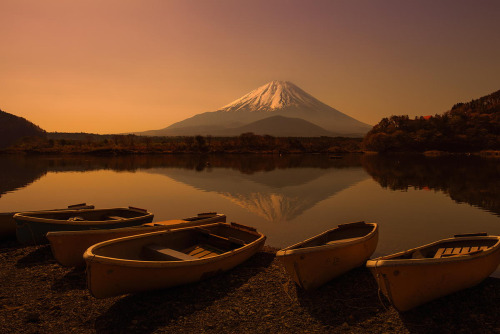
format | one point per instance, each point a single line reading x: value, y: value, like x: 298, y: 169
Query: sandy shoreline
x: 38, y: 295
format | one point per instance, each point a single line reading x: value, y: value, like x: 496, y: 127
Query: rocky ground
x: 37, y: 295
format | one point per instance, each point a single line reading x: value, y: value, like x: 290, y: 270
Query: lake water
x: 416, y: 200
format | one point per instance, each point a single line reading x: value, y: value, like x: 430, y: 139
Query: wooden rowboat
x: 8, y: 224
x: 68, y: 246
x: 169, y: 258
x: 416, y: 276
x: 317, y: 260
x: 32, y: 227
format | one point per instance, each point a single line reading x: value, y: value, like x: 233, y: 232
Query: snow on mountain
x: 272, y: 96
x: 276, y: 98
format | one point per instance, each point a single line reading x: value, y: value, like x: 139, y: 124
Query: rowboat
x: 68, y: 246
x: 33, y: 226
x: 317, y: 260
x: 165, y: 259
x: 8, y: 224
x: 419, y: 275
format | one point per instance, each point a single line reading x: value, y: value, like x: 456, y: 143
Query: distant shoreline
x: 247, y: 143
x: 338, y: 154
x: 131, y: 144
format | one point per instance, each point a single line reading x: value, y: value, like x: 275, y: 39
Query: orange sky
x: 109, y: 66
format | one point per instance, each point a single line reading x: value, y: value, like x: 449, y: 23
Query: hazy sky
x: 108, y: 66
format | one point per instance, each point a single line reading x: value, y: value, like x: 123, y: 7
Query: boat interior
x: 179, y: 245
x: 202, y: 216
x: 344, y: 232
x: 87, y: 215
x: 449, y: 249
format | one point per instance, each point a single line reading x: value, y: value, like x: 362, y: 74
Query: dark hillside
x: 467, y: 127
x: 13, y: 128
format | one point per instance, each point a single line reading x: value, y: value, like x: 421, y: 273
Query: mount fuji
x: 278, y: 108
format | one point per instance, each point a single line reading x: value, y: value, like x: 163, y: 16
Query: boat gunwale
x: 84, y: 206
x: 132, y: 228
x: 23, y: 217
x: 90, y: 257
x: 292, y: 250
x: 390, y: 261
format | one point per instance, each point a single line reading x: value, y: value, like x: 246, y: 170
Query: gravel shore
x: 40, y: 296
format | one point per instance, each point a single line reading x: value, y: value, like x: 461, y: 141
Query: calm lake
x: 416, y: 200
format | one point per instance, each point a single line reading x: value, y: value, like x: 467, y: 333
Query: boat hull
x: 311, y: 267
x: 8, y: 224
x: 408, y: 283
x: 108, y: 276
x: 68, y: 246
x: 32, y: 230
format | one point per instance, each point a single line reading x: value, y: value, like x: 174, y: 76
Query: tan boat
x: 169, y: 258
x: 68, y: 246
x: 417, y: 276
x: 8, y: 224
x: 317, y: 260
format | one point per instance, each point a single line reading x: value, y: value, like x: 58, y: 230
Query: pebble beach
x: 40, y: 296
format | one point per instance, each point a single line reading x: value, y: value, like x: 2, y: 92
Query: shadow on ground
x: 145, y: 312
x: 38, y: 257
x: 477, y: 307
x: 73, y: 280
x: 350, y: 298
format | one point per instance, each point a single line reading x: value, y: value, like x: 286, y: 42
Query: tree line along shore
x: 245, y: 143
x: 133, y: 144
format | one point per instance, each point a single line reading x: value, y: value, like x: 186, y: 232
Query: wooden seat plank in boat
x: 203, y: 250
x: 445, y: 252
x: 333, y: 242
x: 439, y: 253
x: 230, y: 240
x: 158, y: 252
x: 113, y: 217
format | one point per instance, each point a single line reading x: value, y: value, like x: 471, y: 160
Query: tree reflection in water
x: 465, y: 179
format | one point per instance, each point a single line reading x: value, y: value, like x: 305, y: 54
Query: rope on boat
x: 379, y: 289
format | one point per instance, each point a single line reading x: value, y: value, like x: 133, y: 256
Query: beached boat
x: 317, y: 260
x: 32, y: 227
x: 416, y: 276
x: 68, y: 246
x: 169, y: 258
x: 8, y: 224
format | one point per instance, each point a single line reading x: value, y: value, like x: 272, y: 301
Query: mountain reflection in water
x: 280, y: 188
x: 278, y: 195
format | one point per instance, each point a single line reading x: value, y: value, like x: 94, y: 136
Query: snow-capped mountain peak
x: 277, y: 108
x: 272, y: 96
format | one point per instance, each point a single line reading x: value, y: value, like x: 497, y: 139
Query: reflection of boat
x: 8, y: 224
x: 419, y: 275
x: 33, y: 226
x: 164, y: 259
x: 319, y: 259
x: 68, y: 246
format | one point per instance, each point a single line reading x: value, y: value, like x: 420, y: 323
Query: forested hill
x: 13, y: 128
x: 467, y: 127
